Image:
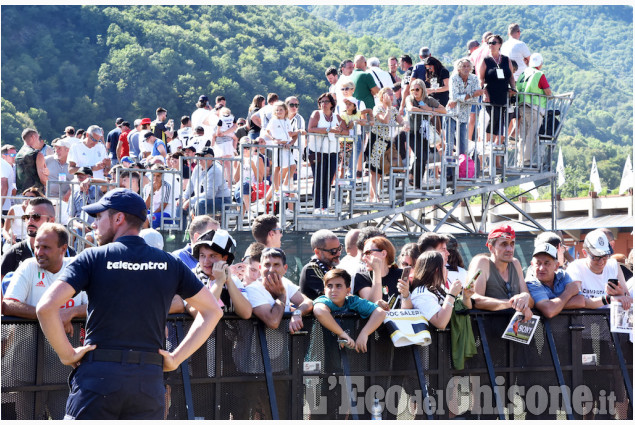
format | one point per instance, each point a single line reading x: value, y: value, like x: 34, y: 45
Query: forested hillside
x: 587, y: 49
x: 82, y: 65
x: 79, y: 65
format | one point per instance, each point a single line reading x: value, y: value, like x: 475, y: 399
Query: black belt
x: 124, y: 356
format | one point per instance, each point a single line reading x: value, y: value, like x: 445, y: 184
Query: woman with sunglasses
x: 496, y: 77
x: 437, y: 80
x: 424, y: 108
x: 14, y: 229
x: 325, y: 126
x: 379, y: 284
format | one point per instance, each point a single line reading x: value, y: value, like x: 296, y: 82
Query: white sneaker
x: 288, y: 212
x: 317, y: 211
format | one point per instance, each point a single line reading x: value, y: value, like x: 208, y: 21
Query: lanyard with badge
x: 499, y: 72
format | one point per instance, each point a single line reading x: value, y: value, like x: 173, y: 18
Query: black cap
x: 205, y: 152
x: 148, y: 134
x: 203, y: 98
x: 119, y: 121
x: 84, y: 170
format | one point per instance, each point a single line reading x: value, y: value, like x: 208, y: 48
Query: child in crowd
x: 225, y: 140
x: 279, y: 131
x: 337, y: 289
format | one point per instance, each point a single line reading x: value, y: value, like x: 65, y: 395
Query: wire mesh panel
x: 313, y: 378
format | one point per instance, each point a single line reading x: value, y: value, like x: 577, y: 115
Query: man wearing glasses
x: 89, y: 153
x: 601, y: 277
x: 38, y: 212
x: 501, y: 284
x: 327, y: 249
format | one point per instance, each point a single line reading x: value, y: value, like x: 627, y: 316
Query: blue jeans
x: 212, y: 206
x: 451, y: 135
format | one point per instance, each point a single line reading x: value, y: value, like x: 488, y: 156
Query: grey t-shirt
x: 57, y: 171
x: 497, y: 287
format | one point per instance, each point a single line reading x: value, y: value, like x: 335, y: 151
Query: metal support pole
x: 185, y: 375
x: 266, y: 361
x: 490, y: 367
x: 566, y: 397
x: 422, y: 382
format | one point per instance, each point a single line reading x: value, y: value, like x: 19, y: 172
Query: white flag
x: 595, y: 178
x: 627, y: 176
x: 560, y: 168
x: 531, y: 188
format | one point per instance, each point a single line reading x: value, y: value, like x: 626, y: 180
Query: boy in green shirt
x: 337, y: 289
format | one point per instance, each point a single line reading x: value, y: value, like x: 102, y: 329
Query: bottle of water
x: 375, y: 411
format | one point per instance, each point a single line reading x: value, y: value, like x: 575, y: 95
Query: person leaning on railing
x: 322, y: 150
x: 420, y: 128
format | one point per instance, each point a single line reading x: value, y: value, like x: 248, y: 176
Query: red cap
x: 505, y: 232
x: 146, y: 121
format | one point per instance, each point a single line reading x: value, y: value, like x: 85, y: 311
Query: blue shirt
x: 155, y: 147
x: 540, y: 292
x: 185, y: 254
x: 130, y: 287
x: 351, y: 303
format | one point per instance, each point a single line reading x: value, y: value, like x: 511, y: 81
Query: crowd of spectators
x: 370, y: 279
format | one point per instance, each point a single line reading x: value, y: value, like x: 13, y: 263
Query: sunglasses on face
x: 598, y: 259
x: 415, y: 90
x: 35, y: 216
x: 347, y: 89
x: 12, y: 155
x: 332, y: 251
x: 370, y: 251
x: 492, y: 43
x: 294, y: 105
x: 324, y: 102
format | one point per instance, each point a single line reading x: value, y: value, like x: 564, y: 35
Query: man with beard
x: 501, y: 284
x: 119, y: 371
x: 38, y: 212
x: 35, y: 275
x: 327, y: 249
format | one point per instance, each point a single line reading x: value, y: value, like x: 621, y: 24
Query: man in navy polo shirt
x: 130, y: 285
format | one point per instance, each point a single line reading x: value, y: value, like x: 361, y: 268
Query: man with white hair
x: 532, y: 109
x: 58, y: 169
x: 382, y: 78
x: 90, y: 153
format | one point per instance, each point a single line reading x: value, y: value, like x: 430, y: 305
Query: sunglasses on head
x: 332, y: 251
x: 34, y: 216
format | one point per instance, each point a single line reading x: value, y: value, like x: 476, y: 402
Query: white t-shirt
x: 258, y: 295
x: 199, y: 143
x: 72, y: 140
x: 425, y: 301
x: 382, y: 78
x: 279, y: 129
x: 265, y: 113
x: 163, y: 195
x: 593, y: 285
x: 30, y: 281
x: 516, y: 50
x: 83, y: 156
x: 199, y: 116
x: 460, y: 274
x: 9, y: 173
x: 175, y: 145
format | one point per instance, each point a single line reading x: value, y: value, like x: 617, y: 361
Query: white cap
x: 535, y: 60
x: 596, y: 243
x: 152, y: 238
x: 546, y: 248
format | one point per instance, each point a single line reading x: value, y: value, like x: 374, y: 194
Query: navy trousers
x: 108, y: 390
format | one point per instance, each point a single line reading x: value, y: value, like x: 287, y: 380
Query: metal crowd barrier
x: 246, y: 371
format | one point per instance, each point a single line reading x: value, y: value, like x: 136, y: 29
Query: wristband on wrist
x: 453, y: 296
x: 606, y: 299
x: 406, y: 298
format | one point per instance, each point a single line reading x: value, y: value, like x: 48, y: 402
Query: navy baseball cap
x: 124, y: 200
